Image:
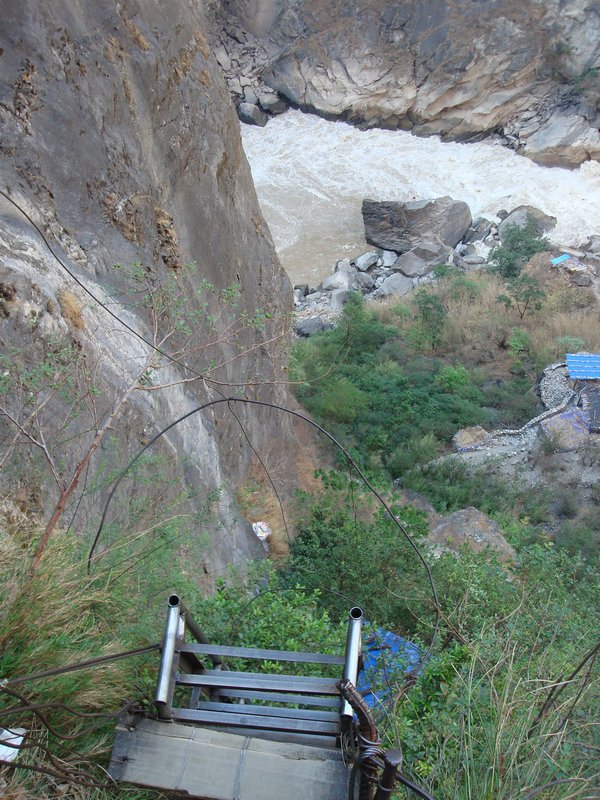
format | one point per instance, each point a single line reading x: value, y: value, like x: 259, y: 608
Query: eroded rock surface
x: 119, y: 139
x: 459, y: 69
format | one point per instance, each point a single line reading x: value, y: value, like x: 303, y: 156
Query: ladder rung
x: 269, y: 711
x: 241, y: 720
x: 273, y: 697
x: 259, y: 653
x: 257, y: 680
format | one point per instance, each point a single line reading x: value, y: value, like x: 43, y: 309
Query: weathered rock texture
x: 459, y: 69
x: 402, y: 226
x: 118, y: 137
x: 470, y: 528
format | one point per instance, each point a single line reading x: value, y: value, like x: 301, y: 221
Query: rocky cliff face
x: 527, y: 70
x: 119, y: 140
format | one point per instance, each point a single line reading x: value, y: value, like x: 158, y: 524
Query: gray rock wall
x: 457, y: 68
x: 118, y: 137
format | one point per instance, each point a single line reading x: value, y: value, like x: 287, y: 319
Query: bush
x: 519, y: 245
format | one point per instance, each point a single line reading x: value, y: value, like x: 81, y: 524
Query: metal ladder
x: 308, y: 710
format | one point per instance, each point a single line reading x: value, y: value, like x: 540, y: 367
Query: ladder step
x: 273, y: 697
x: 259, y: 653
x: 256, y: 680
x: 242, y: 720
x: 270, y: 711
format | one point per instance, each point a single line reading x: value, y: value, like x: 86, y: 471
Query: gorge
x: 148, y: 249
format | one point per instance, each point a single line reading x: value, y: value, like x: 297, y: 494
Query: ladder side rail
x: 351, y: 662
x: 193, y: 627
x: 169, y: 659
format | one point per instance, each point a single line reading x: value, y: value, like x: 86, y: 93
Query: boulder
x: 365, y: 281
x: 344, y: 278
x: 367, y: 260
x: 271, y: 103
x: 521, y: 215
x: 250, y: 96
x: 470, y: 438
x: 339, y: 298
x: 593, y: 245
x: 388, y: 258
x: 400, y: 226
x: 251, y: 115
x: 472, y: 528
x: 478, y: 231
x: 581, y: 279
x: 423, y: 258
x: 298, y: 297
x: 307, y: 327
x: 396, y: 284
x: 565, y: 139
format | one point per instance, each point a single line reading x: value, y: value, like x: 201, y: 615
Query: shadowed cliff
x: 119, y: 140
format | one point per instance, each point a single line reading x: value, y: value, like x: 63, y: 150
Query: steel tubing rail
x: 163, y: 699
x: 352, y: 656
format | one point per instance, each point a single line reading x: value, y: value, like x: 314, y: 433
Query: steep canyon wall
x: 119, y: 140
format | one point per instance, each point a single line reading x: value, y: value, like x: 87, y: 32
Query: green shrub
x: 518, y: 246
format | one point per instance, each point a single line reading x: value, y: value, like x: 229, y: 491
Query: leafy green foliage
x: 470, y: 726
x: 518, y: 246
x: 365, y: 385
x: 354, y: 556
x: 431, y: 316
x: 524, y: 294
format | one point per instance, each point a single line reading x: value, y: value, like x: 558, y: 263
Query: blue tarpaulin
x: 560, y: 259
x: 387, y: 658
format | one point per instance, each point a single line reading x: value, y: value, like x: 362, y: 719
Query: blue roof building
x: 583, y: 366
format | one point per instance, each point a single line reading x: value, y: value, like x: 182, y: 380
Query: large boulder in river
x: 400, y: 226
x: 251, y: 114
x: 522, y: 215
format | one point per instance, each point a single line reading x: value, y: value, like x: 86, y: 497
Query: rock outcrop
x: 522, y: 216
x: 119, y: 140
x: 401, y: 226
x: 527, y: 70
x: 470, y: 528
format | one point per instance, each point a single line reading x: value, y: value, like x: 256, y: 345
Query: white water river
x: 311, y: 176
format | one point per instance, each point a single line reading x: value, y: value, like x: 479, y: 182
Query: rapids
x: 311, y: 176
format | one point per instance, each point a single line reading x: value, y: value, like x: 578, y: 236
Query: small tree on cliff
x: 59, y: 401
x: 524, y: 294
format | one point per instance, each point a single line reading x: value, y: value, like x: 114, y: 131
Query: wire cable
x: 153, y: 346
x: 92, y: 662
x: 341, y: 448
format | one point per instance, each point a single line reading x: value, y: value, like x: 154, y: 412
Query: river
x: 311, y: 176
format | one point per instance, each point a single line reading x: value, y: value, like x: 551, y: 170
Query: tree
x: 55, y: 403
x: 518, y: 246
x: 431, y: 315
x: 524, y: 294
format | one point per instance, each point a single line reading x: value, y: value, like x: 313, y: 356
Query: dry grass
x: 55, y: 617
x: 71, y: 308
x: 477, y: 327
